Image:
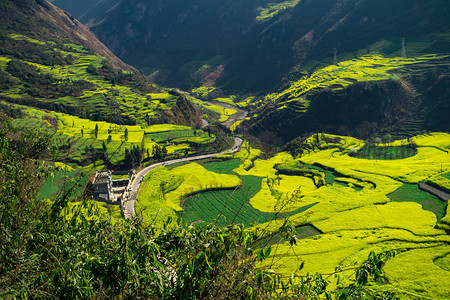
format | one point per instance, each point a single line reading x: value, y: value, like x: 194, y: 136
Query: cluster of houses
x: 108, y: 190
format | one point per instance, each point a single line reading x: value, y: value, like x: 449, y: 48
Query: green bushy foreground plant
x: 52, y: 250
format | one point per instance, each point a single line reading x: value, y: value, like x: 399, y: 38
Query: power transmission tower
x: 403, y: 48
x: 334, y: 56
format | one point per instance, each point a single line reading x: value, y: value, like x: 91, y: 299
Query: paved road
x: 128, y: 203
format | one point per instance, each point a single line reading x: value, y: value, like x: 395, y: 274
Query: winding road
x: 130, y: 198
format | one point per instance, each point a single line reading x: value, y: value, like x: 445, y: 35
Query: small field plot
x: 163, y: 136
x: 386, y: 152
x: 195, y: 179
x: 198, y: 140
x: 222, y: 167
x: 411, y: 193
x: 283, y: 194
x: 152, y: 203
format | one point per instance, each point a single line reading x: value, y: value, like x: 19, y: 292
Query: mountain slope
x: 50, y: 60
x: 366, y: 97
x: 257, y: 43
x: 85, y: 9
x: 45, y: 19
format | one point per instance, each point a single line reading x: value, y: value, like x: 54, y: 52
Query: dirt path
x: 434, y: 191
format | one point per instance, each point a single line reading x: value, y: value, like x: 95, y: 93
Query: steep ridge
x: 83, y: 8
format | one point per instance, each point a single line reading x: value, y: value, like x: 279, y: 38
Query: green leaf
x: 301, y: 266
x: 268, y: 251
x: 259, y: 255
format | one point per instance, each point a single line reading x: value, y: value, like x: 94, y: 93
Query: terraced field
x: 219, y: 112
x: 82, y: 138
x: 355, y: 222
x: 352, y: 198
x: 96, y: 96
x: 360, y: 205
x: 346, y: 73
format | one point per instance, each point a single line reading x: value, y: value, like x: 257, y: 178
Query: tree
x: 96, y: 130
x: 125, y: 135
x: 133, y: 157
x: 91, y: 69
x: 159, y: 152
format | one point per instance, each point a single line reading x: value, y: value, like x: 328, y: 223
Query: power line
x: 335, y: 62
x: 403, y: 48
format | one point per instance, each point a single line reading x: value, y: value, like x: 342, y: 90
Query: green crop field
x: 362, y: 205
x: 163, y: 136
x: 387, y: 152
x: 55, y: 183
x: 411, y: 193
